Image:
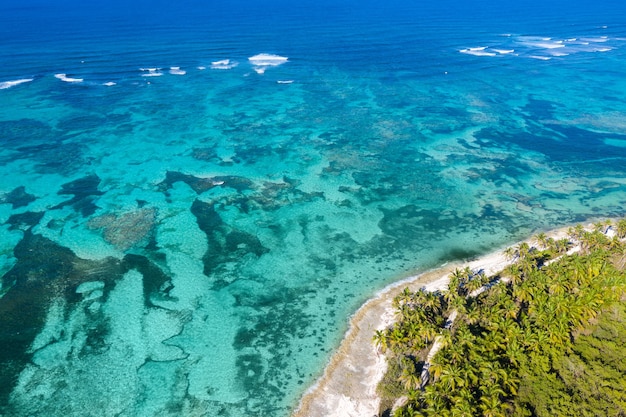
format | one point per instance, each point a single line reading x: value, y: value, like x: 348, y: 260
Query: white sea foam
x: 544, y: 47
x: 550, y: 45
x: 201, y: 68
x: 477, y: 51
x: 177, y: 71
x: 261, y: 62
x: 223, y: 64
x: 109, y: 84
x: 268, y: 59
x: 285, y: 81
x: 595, y: 40
x: 151, y: 72
x: 8, y: 84
x: 64, y: 77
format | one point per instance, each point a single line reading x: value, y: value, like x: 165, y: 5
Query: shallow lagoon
x: 192, y: 244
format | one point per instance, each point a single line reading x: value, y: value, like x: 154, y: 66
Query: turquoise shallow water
x: 186, y: 230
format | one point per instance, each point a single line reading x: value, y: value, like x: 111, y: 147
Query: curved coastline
x: 347, y: 387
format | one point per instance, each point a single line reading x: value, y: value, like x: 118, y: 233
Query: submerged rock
x: 227, y: 246
x: 18, y: 197
x: 84, y: 190
x: 44, y: 271
x: 127, y: 229
x: 49, y: 282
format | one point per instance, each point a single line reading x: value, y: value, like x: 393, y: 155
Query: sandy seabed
x: 347, y: 387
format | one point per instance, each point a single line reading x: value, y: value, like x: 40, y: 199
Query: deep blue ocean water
x: 195, y: 196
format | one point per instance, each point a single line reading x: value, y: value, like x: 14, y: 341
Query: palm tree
x: 576, y: 232
x: 410, y: 379
x: 463, y: 336
x: 524, y: 292
x: 437, y: 403
x: 459, y: 304
x: 514, y: 352
x: 592, y: 240
x: 403, y: 298
x: 562, y: 245
x: 380, y: 340
x: 559, y: 332
x: 419, y: 296
x: 508, y: 308
x: 459, y: 278
x: 526, y: 265
x: 436, y: 366
x: 523, y: 250
x: 490, y: 403
x: 474, y: 284
x: 514, y: 273
x: 432, y: 302
x: 510, y: 253
x: 451, y: 377
x: 428, y: 332
x: 396, y: 338
x: 493, y: 342
x: 542, y: 240
x: 463, y: 409
x: 474, y: 314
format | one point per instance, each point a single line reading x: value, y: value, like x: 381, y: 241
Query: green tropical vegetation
x: 544, y: 337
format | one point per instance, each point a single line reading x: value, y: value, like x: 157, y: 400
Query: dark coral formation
x: 84, y: 191
x: 24, y: 221
x: 18, y: 197
x: 46, y: 271
x: 200, y: 185
x: 226, y: 244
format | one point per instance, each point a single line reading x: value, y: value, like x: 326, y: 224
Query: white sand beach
x: 347, y: 387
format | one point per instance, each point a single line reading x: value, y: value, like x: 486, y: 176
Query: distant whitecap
x: 64, y: 77
x: 223, y: 64
x: 539, y: 57
x: 595, y: 40
x: 285, y: 81
x: 261, y: 62
x: 477, y: 51
x: 151, y: 72
x: 177, y: 71
x: 504, y: 51
x: 8, y: 84
x: 109, y: 84
x: 548, y: 45
x: 201, y: 68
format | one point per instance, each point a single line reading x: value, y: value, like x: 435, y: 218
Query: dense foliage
x: 544, y: 337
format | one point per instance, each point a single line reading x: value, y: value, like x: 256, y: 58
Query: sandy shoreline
x: 347, y: 387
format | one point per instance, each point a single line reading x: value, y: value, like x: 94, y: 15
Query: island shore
x: 347, y: 387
